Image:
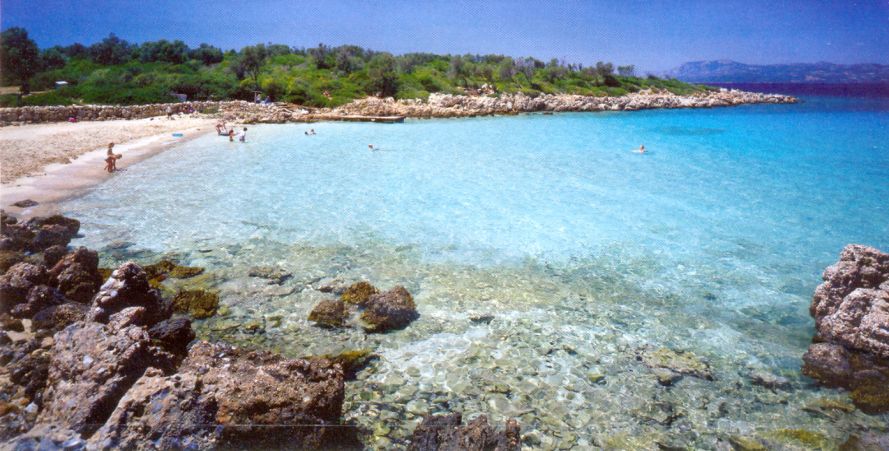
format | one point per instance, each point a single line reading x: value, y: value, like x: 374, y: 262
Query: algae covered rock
x: 197, y: 303
x: 163, y: 269
x: 394, y: 309
x: 329, y: 313
x: 359, y: 293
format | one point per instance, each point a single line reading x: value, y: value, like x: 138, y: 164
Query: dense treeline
x: 115, y: 71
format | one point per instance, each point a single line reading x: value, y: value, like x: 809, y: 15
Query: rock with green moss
x: 681, y: 362
x: 160, y: 271
x: 329, y: 313
x: 359, y: 293
x: 804, y: 437
x: 271, y: 273
x: 872, y: 396
x: 197, y: 303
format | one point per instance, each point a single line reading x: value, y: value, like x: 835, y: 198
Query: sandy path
x: 25, y: 150
x: 48, y: 163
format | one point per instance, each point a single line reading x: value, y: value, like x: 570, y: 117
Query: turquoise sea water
x: 587, y: 254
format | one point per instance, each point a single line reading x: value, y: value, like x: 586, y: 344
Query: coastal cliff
x: 436, y: 106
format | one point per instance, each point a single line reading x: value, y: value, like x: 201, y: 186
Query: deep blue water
x: 713, y: 241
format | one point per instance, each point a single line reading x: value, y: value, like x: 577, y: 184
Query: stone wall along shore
x: 436, y: 106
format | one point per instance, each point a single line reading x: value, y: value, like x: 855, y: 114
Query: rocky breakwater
x: 235, y: 111
x: 447, y: 105
x: 851, y: 344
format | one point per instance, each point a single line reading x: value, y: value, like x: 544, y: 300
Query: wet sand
x: 48, y: 163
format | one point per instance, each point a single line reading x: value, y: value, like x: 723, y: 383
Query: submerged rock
x: 329, y: 313
x: 160, y: 271
x: 446, y: 432
x: 271, y: 273
x: 359, y: 293
x: 851, y: 311
x: 394, y: 309
x: 197, y: 303
x: 681, y: 362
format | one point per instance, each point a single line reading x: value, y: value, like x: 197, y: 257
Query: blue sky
x: 654, y: 35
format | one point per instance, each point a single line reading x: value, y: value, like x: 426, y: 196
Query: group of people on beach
x: 223, y: 130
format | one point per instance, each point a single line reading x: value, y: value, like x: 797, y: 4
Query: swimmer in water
x: 641, y: 149
x: 371, y: 147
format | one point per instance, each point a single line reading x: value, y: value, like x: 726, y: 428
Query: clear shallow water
x: 587, y: 254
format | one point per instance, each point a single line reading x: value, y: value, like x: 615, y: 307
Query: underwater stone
x: 682, y: 362
x: 768, y: 380
x: 272, y: 274
x: 810, y: 439
x: 446, y: 432
x: 744, y: 443
x: 198, y: 303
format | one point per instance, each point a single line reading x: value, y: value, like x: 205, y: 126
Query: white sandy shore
x: 51, y: 162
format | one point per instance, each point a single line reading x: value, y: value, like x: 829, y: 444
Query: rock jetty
x: 435, y: 106
x: 851, y: 344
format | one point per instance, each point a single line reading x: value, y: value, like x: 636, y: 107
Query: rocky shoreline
x: 436, y: 106
x: 93, y: 360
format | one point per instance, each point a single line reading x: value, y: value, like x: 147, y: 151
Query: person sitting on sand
x: 221, y: 129
x: 243, y: 135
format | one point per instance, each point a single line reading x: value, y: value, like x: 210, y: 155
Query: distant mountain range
x: 727, y: 71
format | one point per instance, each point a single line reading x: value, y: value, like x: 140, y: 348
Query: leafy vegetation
x: 114, y: 71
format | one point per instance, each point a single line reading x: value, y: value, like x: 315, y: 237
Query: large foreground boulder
x: 287, y: 403
x: 447, y: 433
x: 91, y: 369
x: 851, y: 343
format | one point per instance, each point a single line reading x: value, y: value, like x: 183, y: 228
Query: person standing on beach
x: 111, y: 159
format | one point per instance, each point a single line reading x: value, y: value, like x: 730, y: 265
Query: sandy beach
x: 53, y: 161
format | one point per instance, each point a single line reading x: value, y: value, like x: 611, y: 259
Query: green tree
x: 250, y: 62
x: 112, y: 50
x: 382, y: 74
x: 20, y: 58
x: 206, y: 54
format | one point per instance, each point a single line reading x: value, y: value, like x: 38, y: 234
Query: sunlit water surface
x: 586, y: 254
